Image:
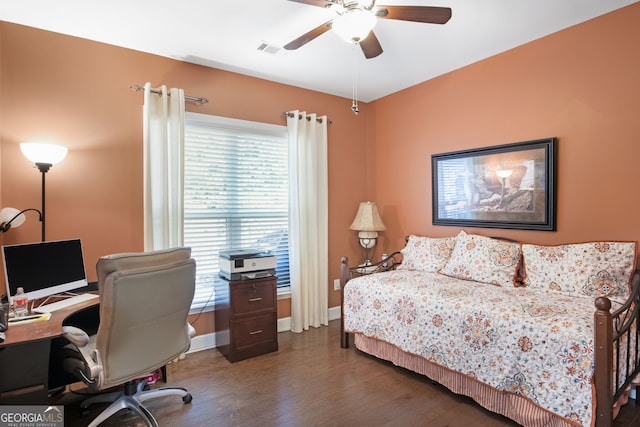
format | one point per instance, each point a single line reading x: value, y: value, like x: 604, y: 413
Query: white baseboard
x: 208, y: 341
x: 334, y: 313
x: 202, y: 342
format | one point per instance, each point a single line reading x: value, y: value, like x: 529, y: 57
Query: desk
x: 26, y: 356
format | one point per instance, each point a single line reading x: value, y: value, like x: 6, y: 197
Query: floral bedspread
x: 526, y: 341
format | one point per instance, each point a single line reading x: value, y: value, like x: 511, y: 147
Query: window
x: 455, y: 194
x: 235, y: 194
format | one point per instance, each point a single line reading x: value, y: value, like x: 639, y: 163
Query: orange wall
x: 76, y: 92
x: 581, y: 85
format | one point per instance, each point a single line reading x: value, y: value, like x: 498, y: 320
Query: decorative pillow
x: 594, y: 269
x: 427, y: 254
x: 483, y: 259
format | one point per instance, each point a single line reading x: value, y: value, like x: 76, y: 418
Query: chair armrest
x: 91, y: 367
x: 75, y: 335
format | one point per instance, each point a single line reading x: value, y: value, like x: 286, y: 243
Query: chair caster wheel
x: 187, y: 399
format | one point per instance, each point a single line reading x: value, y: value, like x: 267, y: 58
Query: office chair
x: 144, y: 302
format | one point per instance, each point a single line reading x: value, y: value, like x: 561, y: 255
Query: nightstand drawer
x: 253, y: 330
x: 252, y: 297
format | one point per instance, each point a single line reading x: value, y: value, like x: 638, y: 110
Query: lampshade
x: 43, y: 153
x: 367, y: 218
x: 6, y: 214
x: 504, y: 173
x: 354, y: 25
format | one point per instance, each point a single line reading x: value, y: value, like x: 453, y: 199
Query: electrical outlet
x: 336, y: 284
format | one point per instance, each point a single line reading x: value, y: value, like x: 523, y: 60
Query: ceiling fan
x: 356, y: 19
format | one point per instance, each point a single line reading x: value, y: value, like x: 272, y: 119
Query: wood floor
x: 310, y: 381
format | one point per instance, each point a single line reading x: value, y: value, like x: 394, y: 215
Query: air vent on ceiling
x: 269, y: 48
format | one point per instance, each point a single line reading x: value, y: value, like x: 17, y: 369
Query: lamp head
x: 504, y: 173
x: 9, y: 216
x: 367, y: 218
x: 12, y: 217
x: 354, y: 25
x: 42, y: 154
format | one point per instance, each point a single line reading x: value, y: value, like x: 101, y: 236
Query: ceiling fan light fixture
x: 354, y: 25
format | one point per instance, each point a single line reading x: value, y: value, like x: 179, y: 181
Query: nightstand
x: 387, y: 263
x: 246, y: 317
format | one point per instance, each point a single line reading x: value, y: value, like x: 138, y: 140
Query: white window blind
x: 455, y: 188
x: 236, y: 194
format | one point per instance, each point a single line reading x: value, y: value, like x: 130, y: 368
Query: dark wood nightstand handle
x: 255, y: 299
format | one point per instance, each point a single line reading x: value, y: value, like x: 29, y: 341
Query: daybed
x: 510, y: 325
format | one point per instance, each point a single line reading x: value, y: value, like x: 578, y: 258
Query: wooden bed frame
x: 615, y: 330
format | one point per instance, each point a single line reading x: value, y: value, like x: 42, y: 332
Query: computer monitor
x: 44, y: 269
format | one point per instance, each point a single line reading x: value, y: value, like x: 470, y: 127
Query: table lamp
x: 368, y: 222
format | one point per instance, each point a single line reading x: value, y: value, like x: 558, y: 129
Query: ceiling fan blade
x: 308, y: 36
x: 427, y: 14
x: 371, y: 46
x: 319, y: 3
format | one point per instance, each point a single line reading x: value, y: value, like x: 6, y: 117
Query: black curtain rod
x: 319, y: 120
x: 195, y: 99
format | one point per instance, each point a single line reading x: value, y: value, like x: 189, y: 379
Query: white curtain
x: 163, y: 134
x: 308, y: 220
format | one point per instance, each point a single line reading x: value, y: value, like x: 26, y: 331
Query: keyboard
x: 67, y: 302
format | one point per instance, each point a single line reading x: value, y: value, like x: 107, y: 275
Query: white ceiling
x: 225, y: 34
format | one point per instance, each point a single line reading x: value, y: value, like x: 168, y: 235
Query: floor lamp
x: 44, y: 156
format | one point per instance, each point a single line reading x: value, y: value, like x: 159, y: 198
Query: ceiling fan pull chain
x: 354, y: 82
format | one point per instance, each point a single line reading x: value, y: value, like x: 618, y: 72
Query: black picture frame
x: 503, y: 186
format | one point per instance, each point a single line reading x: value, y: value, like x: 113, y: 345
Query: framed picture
x: 504, y: 186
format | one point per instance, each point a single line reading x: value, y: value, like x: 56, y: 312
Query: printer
x: 240, y: 264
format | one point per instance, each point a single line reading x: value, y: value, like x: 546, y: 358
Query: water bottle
x: 20, y: 303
